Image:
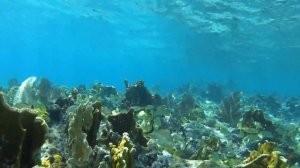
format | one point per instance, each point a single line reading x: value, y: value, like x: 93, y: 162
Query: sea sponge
x: 137, y: 95
x: 22, y: 134
x: 125, y: 122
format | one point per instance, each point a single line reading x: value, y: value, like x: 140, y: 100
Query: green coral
x: 123, y: 155
x: 265, y: 157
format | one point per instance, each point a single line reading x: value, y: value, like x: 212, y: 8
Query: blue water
x: 256, y: 44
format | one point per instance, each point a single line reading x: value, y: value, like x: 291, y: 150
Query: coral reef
x: 188, y: 128
x: 22, y: 134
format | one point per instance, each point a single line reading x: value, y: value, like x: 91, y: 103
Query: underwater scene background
x: 255, y: 44
x: 149, y: 83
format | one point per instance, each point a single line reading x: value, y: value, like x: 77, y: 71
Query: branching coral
x: 265, y: 157
x: 230, y: 112
x: 83, y: 129
x: 123, y: 155
x: 137, y: 95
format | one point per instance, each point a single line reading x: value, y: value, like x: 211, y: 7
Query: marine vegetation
x: 98, y: 126
x: 137, y: 95
x: 230, y: 112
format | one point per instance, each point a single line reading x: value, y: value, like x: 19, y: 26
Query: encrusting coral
x: 265, y: 157
x: 22, y: 134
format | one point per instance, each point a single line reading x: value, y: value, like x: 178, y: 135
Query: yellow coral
x: 46, y: 163
x: 42, y: 112
x: 265, y: 157
x: 54, y: 161
x: 266, y: 148
x: 123, y: 155
x: 57, y: 157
